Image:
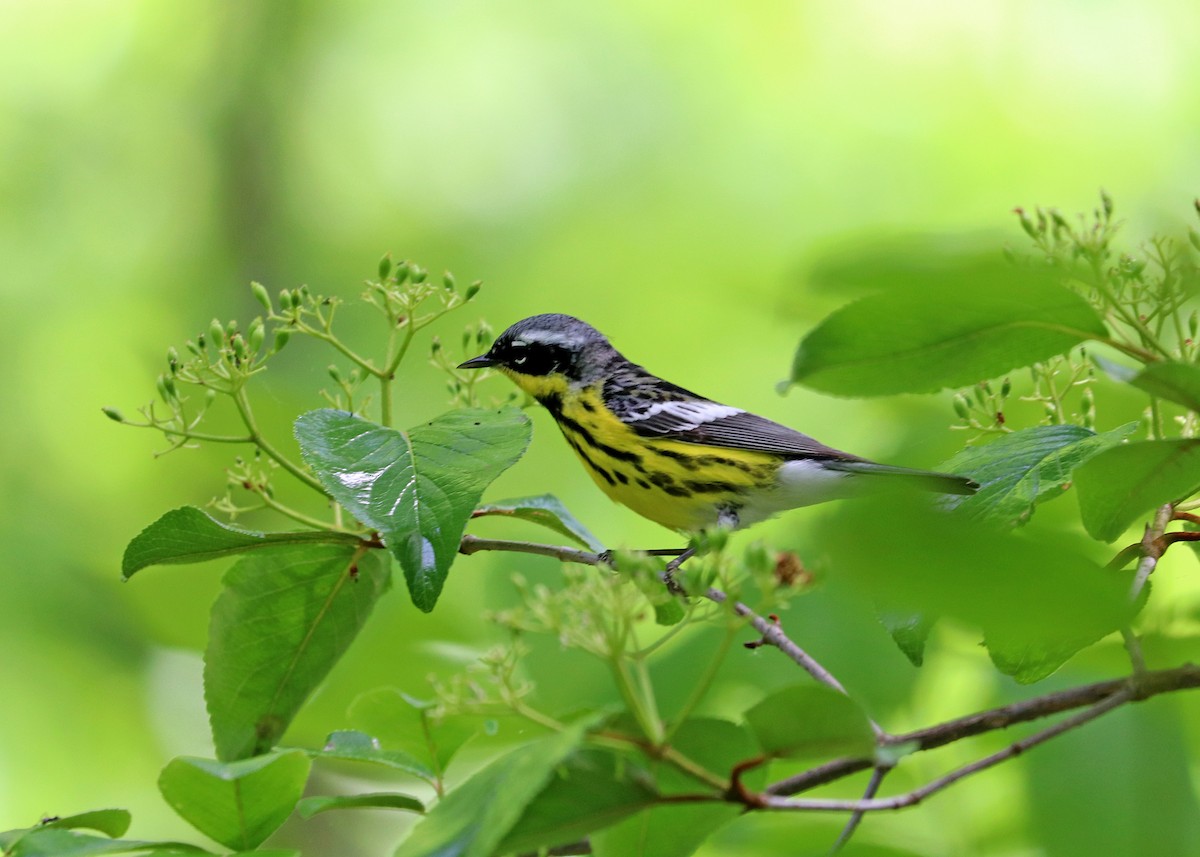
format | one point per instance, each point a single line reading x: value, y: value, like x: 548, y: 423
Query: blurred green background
x: 667, y: 171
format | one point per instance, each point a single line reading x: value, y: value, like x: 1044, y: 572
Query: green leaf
x: 910, y: 631
x: 110, y: 822
x: 677, y: 830
x: 351, y: 746
x: 1176, y: 382
x: 417, y: 488
x: 1019, y: 470
x: 189, y: 535
x: 404, y: 724
x: 472, y: 819
x: 811, y: 720
x: 1036, y: 598
x: 547, y: 511
x: 239, y: 804
x: 1120, y: 485
x: 591, y: 790
x: 310, y: 806
x: 282, y: 621
x: 1031, y: 658
x: 47, y: 841
x: 979, y: 324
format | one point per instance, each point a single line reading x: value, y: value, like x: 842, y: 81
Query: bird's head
x: 544, y: 353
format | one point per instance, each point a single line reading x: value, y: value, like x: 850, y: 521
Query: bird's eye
x: 520, y: 361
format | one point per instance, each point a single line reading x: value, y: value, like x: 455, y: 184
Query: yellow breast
x: 681, y: 486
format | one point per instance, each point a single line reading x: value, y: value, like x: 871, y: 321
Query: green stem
x: 194, y: 435
x: 1055, y: 398
x: 385, y: 401
x: 674, y: 631
x: 1125, y: 348
x: 300, y: 517
x: 316, y: 333
x: 640, y: 708
x: 1130, y: 318
x: 1156, y: 422
x: 701, y: 688
x: 256, y: 437
x: 409, y: 332
x: 669, y: 755
x: 388, y: 375
x: 537, y: 717
x: 693, y: 769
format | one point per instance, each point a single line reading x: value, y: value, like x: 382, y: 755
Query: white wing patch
x: 690, y: 414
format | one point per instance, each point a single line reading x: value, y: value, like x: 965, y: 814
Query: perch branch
x: 772, y: 633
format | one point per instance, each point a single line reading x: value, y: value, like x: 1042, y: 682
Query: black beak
x: 478, y: 362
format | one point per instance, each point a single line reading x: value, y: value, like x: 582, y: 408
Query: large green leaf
x: 678, y: 829
x: 1119, y: 486
x: 810, y: 720
x: 545, y: 510
x: 189, y: 535
x: 419, y: 487
x: 239, y: 804
x: 591, y: 790
x: 951, y: 334
x: 282, y: 621
x: 474, y: 818
x: 1019, y: 470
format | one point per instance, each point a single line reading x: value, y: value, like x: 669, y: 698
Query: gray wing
x: 665, y: 411
x: 705, y: 422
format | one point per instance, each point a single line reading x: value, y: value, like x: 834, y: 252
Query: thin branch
x: 1141, y: 687
x: 1152, y: 547
x: 474, y: 544
x: 872, y: 789
x: 826, y: 772
x: 917, y: 795
x: 773, y: 635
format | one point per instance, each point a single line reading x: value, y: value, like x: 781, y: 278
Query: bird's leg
x: 669, y: 573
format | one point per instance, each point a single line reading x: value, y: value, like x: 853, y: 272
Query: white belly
x: 798, y: 483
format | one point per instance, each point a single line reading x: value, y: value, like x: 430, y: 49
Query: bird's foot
x: 668, y: 576
x: 609, y: 558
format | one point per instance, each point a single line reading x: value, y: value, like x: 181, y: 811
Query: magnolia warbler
x: 677, y: 458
